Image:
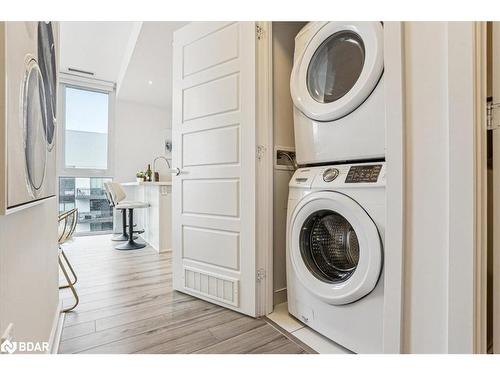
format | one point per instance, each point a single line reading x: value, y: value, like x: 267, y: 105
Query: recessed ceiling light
x: 150, y: 82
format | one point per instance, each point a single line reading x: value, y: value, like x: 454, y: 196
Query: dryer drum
x: 329, y: 246
x: 47, y: 63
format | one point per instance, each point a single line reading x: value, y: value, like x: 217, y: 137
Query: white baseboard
x: 56, y: 332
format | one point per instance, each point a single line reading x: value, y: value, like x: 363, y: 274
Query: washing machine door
x: 338, y: 69
x: 335, y: 247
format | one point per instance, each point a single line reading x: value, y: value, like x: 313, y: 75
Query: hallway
x: 127, y: 305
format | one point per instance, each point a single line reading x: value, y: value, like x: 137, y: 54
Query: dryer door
x: 335, y: 248
x: 34, y: 116
x: 338, y: 69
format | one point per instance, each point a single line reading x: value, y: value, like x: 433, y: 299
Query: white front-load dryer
x: 337, y: 87
x: 31, y: 59
x: 335, y: 237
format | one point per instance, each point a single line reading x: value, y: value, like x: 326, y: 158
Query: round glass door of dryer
x: 34, y: 113
x: 335, y: 66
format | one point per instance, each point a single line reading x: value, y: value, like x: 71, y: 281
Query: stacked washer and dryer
x: 336, y: 205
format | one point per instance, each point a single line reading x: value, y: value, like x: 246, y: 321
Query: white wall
x: 437, y: 316
x: 29, y: 294
x: 140, y: 131
x: 283, y: 46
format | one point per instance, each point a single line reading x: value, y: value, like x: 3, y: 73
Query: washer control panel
x: 363, y: 173
x: 360, y: 175
x: 330, y: 174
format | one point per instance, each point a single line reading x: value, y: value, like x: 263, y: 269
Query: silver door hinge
x: 260, y: 152
x: 492, y: 118
x: 259, y: 32
x: 260, y: 274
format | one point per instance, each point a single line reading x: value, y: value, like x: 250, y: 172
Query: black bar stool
x: 118, y: 196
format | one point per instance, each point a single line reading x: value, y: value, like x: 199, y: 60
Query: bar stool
x: 118, y: 196
x: 124, y: 235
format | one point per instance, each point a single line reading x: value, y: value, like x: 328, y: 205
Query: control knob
x: 330, y: 174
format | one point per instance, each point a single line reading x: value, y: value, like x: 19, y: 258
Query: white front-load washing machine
x: 335, y: 237
x: 337, y: 87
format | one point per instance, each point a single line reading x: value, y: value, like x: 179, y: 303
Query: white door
x: 214, y: 147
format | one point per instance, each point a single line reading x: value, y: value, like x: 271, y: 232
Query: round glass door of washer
x: 334, y: 247
x: 329, y: 246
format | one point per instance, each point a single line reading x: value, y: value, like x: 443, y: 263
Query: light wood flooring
x: 127, y: 305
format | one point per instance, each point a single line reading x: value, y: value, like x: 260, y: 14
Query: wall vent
x: 216, y: 287
x: 74, y: 70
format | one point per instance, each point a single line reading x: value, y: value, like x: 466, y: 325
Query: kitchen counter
x: 146, y: 183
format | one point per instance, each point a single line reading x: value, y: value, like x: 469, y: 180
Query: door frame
x: 394, y: 79
x: 264, y: 167
x: 467, y: 187
x: 481, y: 185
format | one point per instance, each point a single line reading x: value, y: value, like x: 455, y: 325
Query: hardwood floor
x: 127, y: 305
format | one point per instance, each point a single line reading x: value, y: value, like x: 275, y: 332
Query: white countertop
x: 159, y: 183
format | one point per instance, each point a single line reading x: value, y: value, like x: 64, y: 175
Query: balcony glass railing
x: 88, y: 195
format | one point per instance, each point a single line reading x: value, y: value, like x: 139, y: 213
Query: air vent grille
x: 215, y: 287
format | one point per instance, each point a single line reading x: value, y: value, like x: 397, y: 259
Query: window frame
x: 81, y: 83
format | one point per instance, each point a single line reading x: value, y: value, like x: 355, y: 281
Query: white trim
x: 496, y: 197
x: 481, y: 261
x: 56, y: 331
x: 461, y: 187
x: 3, y: 124
x: 264, y: 168
x: 395, y: 157
x: 81, y: 81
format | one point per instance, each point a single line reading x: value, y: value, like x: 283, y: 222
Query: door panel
x: 216, y: 48
x: 214, y: 146
x: 211, y: 197
x: 211, y: 98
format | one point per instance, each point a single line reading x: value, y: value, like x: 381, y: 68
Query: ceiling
x: 137, y: 56
x: 102, y: 48
x: 148, y: 78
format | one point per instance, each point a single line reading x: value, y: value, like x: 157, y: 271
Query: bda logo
x: 8, y: 347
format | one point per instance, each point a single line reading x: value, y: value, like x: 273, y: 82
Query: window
x: 88, y: 196
x: 86, y: 120
x: 85, y: 160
